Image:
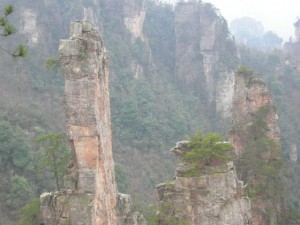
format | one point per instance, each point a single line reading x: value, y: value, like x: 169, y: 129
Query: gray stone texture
x: 215, y: 197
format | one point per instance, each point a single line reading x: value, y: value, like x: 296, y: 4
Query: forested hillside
x: 171, y: 73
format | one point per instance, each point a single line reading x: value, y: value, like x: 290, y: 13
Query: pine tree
x: 7, y: 29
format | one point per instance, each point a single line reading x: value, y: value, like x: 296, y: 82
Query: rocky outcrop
x: 134, y: 16
x: 87, y: 108
x: 251, y: 97
x: 126, y: 213
x: 215, y: 197
x: 67, y: 207
x: 94, y: 198
x: 203, y: 49
x: 292, y: 48
x: 72, y: 207
x: 255, y: 137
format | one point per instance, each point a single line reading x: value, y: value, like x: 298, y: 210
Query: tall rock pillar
x: 206, y: 57
x: 84, y: 61
x: 252, y: 103
x: 92, y: 197
x: 255, y: 137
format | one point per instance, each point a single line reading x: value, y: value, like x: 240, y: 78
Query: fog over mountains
x: 277, y: 16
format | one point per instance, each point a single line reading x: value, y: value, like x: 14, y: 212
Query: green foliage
x: 150, y: 214
x: 20, y: 192
x: 30, y: 213
x: 21, y: 51
x: 166, y: 215
x: 159, y: 28
x: 8, y: 9
x: 8, y: 29
x: 194, y: 172
x: 121, y: 178
x: 292, y: 217
x: 260, y: 165
x: 244, y: 70
x: 56, y: 154
x: 206, y: 150
x: 14, y: 151
x: 52, y: 64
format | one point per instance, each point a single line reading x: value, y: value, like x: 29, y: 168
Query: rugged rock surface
x: 203, y: 44
x: 292, y: 48
x: 255, y: 137
x: 134, y: 16
x: 94, y: 198
x: 72, y: 207
x: 216, y: 197
x: 251, y: 95
x: 126, y: 213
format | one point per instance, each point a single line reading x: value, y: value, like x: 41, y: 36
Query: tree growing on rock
x: 206, y: 150
x: 56, y: 154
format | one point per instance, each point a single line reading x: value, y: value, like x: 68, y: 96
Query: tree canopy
x: 207, y: 149
x: 56, y: 154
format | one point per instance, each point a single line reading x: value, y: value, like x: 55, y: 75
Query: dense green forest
x: 149, y: 111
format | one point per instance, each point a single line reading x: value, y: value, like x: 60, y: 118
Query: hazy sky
x: 275, y: 15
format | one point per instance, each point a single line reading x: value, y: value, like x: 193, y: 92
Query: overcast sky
x: 275, y: 15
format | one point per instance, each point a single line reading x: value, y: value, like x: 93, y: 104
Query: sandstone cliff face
x: 213, y: 198
x: 94, y: 197
x: 250, y: 95
x: 255, y: 137
x: 134, y: 16
x: 202, y: 42
x: 84, y: 61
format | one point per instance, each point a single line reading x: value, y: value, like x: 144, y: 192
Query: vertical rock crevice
x: 206, y: 57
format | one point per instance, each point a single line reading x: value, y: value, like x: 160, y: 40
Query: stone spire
x: 255, y: 137
x: 297, y: 30
x: 87, y: 108
x: 251, y: 96
x: 92, y: 197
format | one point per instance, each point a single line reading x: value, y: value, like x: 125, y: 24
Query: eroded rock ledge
x: 216, y: 197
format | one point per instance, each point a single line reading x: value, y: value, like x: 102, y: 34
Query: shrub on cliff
x: 244, y: 70
x: 206, y: 150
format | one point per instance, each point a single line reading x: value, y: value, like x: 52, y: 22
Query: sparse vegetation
x: 8, y: 29
x: 166, y: 215
x: 206, y: 150
x: 56, y: 154
x: 244, y: 70
x: 30, y: 213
